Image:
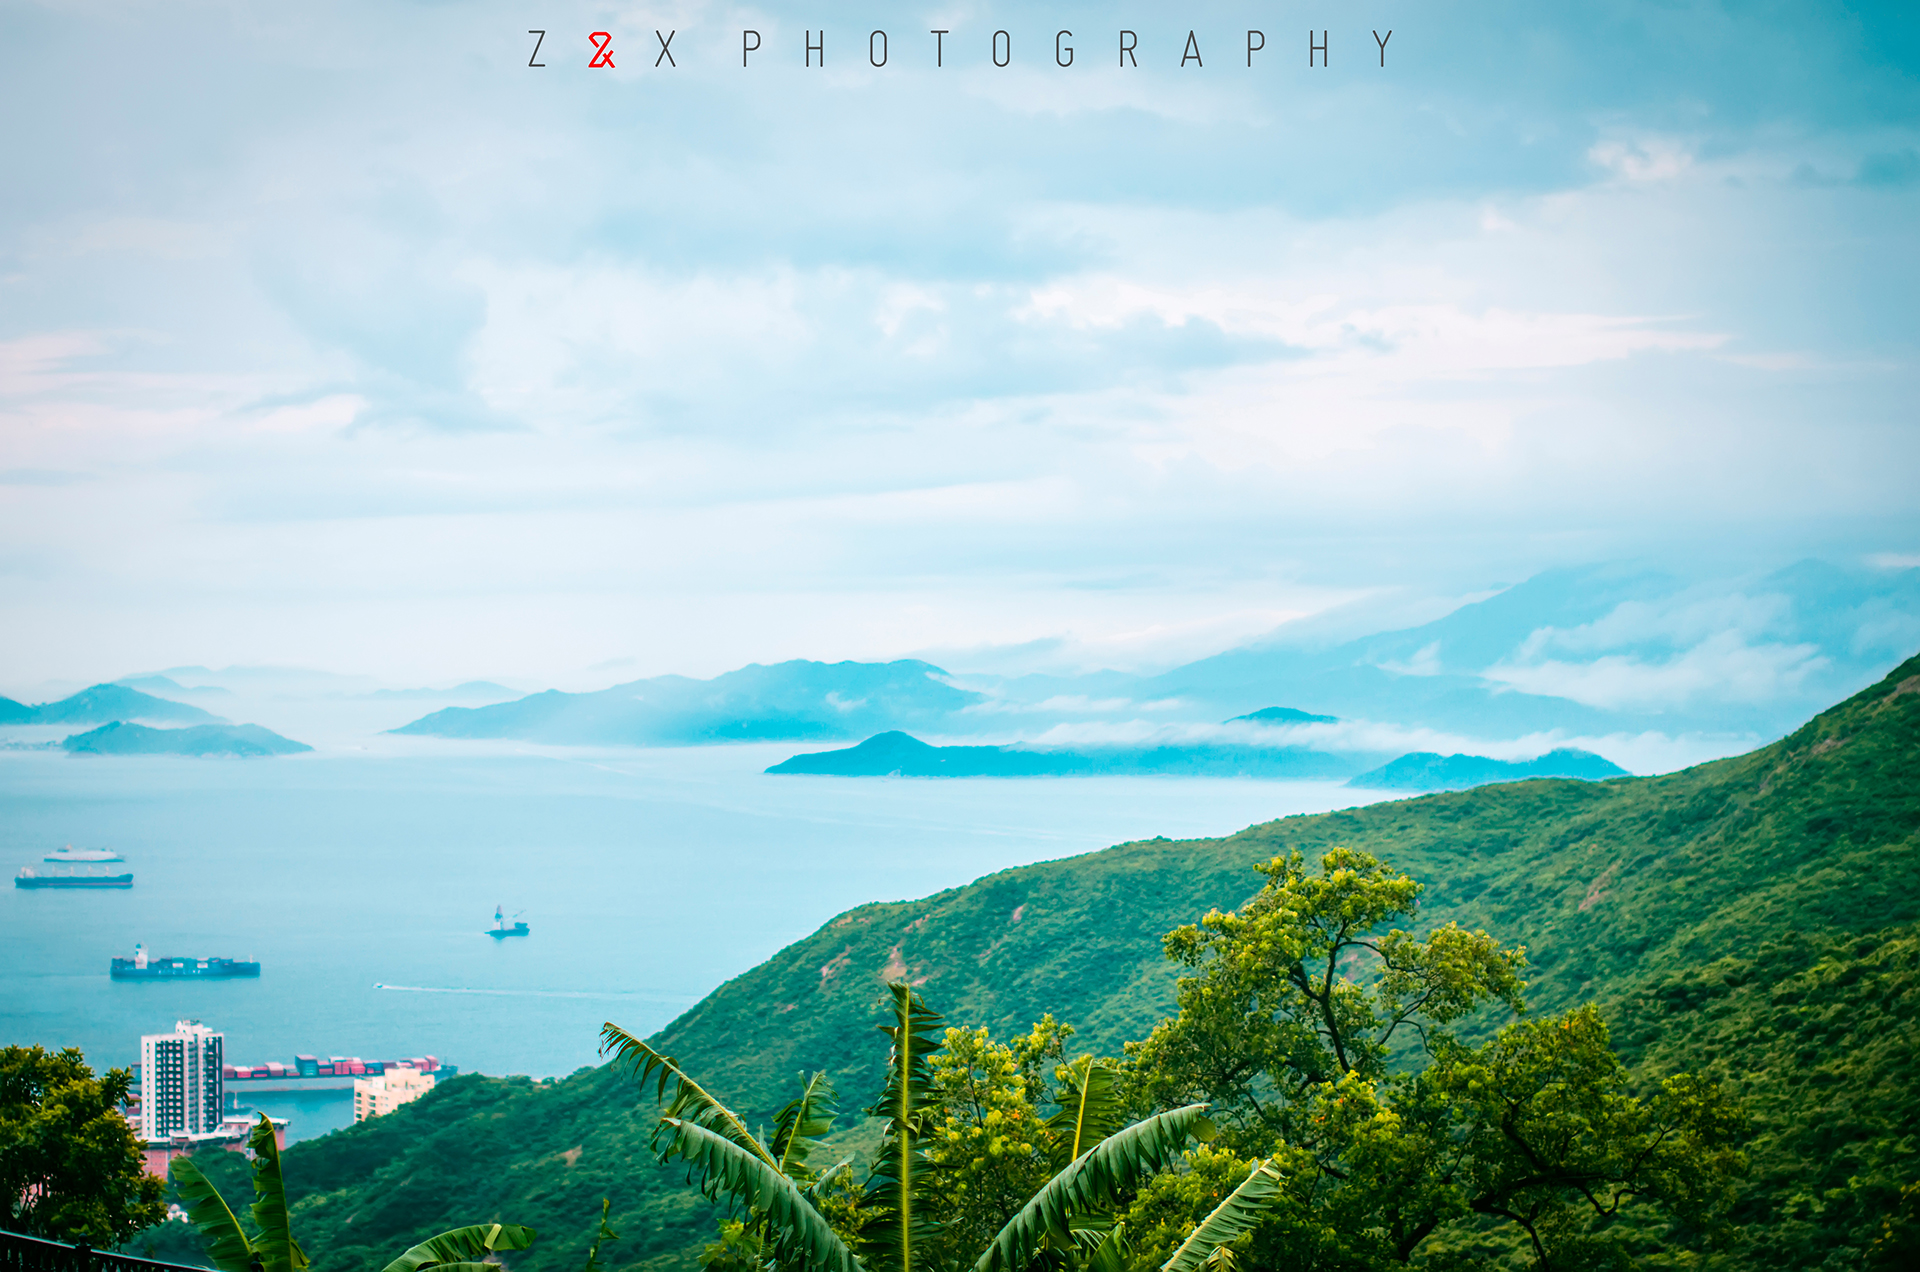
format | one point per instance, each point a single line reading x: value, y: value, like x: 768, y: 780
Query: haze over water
x: 648, y: 878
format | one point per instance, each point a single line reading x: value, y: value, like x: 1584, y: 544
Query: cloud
x: 541, y: 367
x: 1723, y: 667
x: 1647, y: 160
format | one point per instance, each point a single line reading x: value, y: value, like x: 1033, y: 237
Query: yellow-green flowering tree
x: 1319, y: 1034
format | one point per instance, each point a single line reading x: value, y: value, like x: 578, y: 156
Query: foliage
x: 987, y: 1145
x: 1299, y: 990
x: 1619, y: 891
x: 1095, y: 1182
x: 899, y: 1191
x: 231, y: 1247
x: 1821, y: 1039
x: 1287, y: 1026
x: 71, y: 1168
x: 270, y: 1246
x: 961, y: 1107
x: 467, y: 1249
x: 1238, y: 1214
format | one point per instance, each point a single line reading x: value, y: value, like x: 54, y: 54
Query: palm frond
x: 463, y: 1247
x: 207, y: 1210
x: 1090, y: 1109
x: 275, y: 1245
x: 1239, y: 1214
x: 799, y: 1125
x: 901, y: 1178
x: 691, y: 1101
x: 800, y: 1233
x: 1093, y: 1182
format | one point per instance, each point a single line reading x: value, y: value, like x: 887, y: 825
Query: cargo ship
x: 71, y: 856
x: 500, y: 930
x: 313, y: 1067
x: 140, y: 967
x: 71, y: 877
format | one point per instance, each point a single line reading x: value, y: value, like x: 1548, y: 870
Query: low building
x: 373, y: 1097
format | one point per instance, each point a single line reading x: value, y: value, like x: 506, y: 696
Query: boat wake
x: 630, y: 995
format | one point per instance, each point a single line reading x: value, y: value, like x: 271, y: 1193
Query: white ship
x: 70, y: 855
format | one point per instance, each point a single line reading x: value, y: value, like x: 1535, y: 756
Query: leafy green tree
x: 270, y: 1245
x: 71, y: 1169
x: 1290, y: 1028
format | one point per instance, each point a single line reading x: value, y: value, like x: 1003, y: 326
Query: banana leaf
x: 207, y: 1210
x: 797, y: 1128
x: 275, y: 1245
x: 1090, y: 1109
x: 900, y: 1221
x: 463, y: 1247
x: 800, y: 1233
x: 1112, y: 1254
x: 1238, y: 1214
x: 691, y: 1101
x: 1093, y: 1182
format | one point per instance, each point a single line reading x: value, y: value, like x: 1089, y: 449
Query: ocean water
x: 364, y: 883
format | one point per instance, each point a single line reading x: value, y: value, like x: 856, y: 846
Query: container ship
x: 332, y: 1067
x: 140, y: 967
x: 334, y: 1072
x: 71, y: 877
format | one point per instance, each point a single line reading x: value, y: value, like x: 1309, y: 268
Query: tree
x: 902, y: 1221
x: 71, y: 1169
x: 1291, y: 1028
x: 271, y: 1247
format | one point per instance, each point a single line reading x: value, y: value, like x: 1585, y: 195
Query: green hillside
x: 1722, y: 915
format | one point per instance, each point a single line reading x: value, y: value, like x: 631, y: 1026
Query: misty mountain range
x: 1578, y: 652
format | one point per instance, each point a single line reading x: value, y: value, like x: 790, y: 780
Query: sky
x: 337, y: 335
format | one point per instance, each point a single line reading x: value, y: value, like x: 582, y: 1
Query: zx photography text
x: 938, y: 48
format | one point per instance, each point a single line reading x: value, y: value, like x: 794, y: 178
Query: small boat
x: 70, y: 855
x: 500, y: 930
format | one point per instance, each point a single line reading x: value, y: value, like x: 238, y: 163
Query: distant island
x: 102, y: 704
x: 243, y: 741
x: 1427, y: 771
x: 1283, y: 715
x: 796, y: 701
x: 896, y: 754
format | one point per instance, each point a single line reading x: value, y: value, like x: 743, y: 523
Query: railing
x: 31, y: 1254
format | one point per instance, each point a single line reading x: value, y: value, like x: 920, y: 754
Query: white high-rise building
x: 181, y: 1090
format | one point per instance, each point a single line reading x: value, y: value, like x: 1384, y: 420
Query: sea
x: 364, y: 882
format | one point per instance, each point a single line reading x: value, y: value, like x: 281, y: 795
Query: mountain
x: 794, y: 701
x: 167, y: 684
x: 1586, y: 650
x: 102, y: 704
x: 1756, y: 917
x: 897, y: 754
x: 1284, y: 715
x: 206, y: 740
x: 1427, y: 771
